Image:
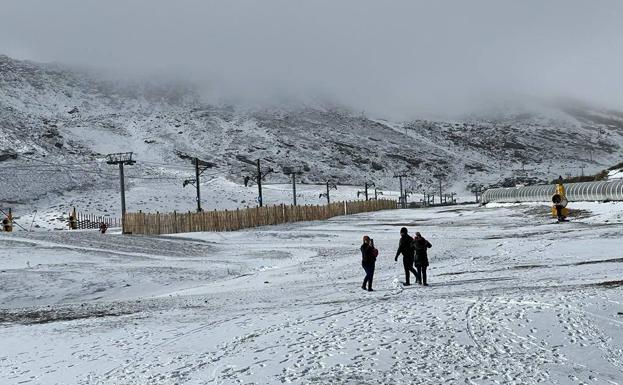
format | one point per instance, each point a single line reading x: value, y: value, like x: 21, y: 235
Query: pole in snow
x: 259, y: 183
x: 121, y: 158
x: 293, y: 172
x: 198, y: 184
x: 200, y: 167
x: 402, y: 196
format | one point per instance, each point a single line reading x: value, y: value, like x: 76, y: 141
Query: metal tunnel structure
x: 611, y: 190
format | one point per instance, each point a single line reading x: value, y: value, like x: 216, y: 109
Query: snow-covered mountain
x: 56, y: 124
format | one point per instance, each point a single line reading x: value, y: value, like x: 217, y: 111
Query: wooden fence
x: 91, y: 221
x: 232, y: 220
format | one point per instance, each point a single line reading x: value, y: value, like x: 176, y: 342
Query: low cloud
x: 403, y: 58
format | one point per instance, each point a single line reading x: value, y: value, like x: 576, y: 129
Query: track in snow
x: 283, y: 304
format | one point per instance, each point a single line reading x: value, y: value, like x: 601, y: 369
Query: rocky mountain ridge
x: 56, y: 124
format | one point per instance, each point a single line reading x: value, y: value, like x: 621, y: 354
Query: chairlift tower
x: 403, y: 202
x: 260, y: 174
x: 365, y: 190
x: 122, y: 159
x: 293, y: 171
x: 330, y: 185
x: 440, y: 176
x: 200, y: 167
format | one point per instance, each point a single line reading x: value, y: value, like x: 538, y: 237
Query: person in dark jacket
x: 421, y: 246
x: 405, y: 247
x: 368, y: 259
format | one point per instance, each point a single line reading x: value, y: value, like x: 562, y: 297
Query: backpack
x: 375, y: 252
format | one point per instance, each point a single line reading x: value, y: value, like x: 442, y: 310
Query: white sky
x: 390, y: 57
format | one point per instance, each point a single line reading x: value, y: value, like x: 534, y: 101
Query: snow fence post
x: 174, y: 222
x: 158, y: 222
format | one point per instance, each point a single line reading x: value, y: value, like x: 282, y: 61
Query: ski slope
x: 514, y: 298
x: 58, y: 123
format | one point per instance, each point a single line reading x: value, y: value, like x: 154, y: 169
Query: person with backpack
x: 405, y: 247
x: 103, y: 227
x: 368, y: 259
x: 421, y: 246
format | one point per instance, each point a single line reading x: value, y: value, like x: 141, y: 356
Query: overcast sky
x: 386, y: 57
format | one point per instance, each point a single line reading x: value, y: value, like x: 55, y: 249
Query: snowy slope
x: 56, y: 123
x: 513, y: 299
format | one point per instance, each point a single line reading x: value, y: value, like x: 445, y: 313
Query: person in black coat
x: 368, y: 259
x: 421, y: 246
x: 405, y: 247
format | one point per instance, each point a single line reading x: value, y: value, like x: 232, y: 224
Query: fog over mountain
x: 400, y: 59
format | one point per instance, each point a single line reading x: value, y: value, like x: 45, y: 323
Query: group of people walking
x: 414, y: 254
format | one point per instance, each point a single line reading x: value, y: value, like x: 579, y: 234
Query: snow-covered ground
x: 514, y: 298
x: 615, y: 174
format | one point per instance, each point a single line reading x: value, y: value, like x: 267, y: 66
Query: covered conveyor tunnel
x: 586, y: 191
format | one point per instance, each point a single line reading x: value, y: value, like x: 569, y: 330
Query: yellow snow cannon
x: 559, y: 202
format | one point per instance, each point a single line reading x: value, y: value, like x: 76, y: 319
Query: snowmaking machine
x: 559, y: 203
